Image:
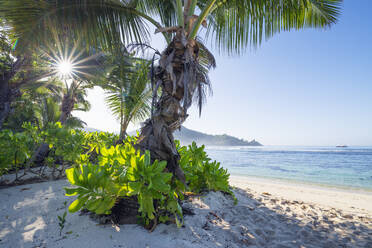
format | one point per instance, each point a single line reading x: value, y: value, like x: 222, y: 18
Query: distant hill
x: 91, y: 130
x: 187, y: 136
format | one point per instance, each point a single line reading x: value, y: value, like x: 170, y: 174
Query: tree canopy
x: 230, y: 25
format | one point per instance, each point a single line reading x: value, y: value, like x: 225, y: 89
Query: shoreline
x: 345, y: 199
x: 276, y: 180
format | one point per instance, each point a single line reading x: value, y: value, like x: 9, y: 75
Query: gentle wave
x: 344, y: 167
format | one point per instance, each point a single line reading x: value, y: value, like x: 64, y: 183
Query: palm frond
x: 203, y: 84
x: 74, y: 122
x: 128, y: 90
x: 165, y: 10
x: 236, y: 24
x: 102, y: 23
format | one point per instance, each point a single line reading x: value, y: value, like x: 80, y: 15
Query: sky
x: 308, y: 87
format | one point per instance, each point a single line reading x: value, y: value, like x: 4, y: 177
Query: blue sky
x: 308, y: 87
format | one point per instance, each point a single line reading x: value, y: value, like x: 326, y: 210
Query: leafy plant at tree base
x: 123, y: 172
x: 201, y: 173
x: 148, y: 182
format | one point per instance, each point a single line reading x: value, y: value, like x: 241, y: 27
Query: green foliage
x: 201, y: 173
x: 121, y: 171
x: 15, y: 149
x: 67, y: 143
x: 40, y: 104
x: 103, y: 173
x: 148, y: 181
x: 124, y: 172
x: 231, y: 25
x: 95, y: 188
x: 127, y: 88
x: 93, y: 140
x: 62, y: 219
x: 68, y: 146
x: 6, y: 58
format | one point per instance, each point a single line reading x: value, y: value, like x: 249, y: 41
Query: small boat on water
x: 342, y: 146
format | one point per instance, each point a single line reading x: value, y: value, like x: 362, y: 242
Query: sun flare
x: 65, y: 68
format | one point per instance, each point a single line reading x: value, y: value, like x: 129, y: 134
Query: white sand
x: 267, y: 215
x: 347, y: 200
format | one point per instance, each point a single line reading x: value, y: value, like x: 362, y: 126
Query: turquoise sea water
x: 349, y: 167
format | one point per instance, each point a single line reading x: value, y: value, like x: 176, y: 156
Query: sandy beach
x: 345, y: 199
x: 268, y: 214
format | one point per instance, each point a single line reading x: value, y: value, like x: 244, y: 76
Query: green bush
x: 202, y: 174
x: 64, y: 142
x: 15, y: 149
x: 121, y: 171
x: 124, y: 172
x: 94, y: 140
x: 66, y: 145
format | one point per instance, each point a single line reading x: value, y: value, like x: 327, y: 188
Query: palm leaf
x: 101, y: 23
x: 235, y: 24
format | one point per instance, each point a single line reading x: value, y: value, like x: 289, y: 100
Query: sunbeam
x: 65, y: 69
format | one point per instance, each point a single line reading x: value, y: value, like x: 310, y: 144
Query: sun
x: 69, y: 63
x: 64, y: 68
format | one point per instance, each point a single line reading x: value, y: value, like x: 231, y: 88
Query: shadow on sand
x: 28, y: 218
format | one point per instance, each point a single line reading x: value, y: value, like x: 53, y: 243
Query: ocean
x: 349, y: 167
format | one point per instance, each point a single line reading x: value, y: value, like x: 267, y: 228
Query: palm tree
x: 231, y: 25
x: 16, y: 72
x: 71, y: 97
x: 50, y: 105
x: 40, y: 105
x: 128, y: 91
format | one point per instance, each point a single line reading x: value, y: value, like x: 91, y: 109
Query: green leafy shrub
x: 124, y: 172
x: 64, y: 142
x: 95, y: 189
x: 66, y: 146
x: 15, y: 149
x: 201, y: 173
x: 121, y: 171
x: 94, y: 140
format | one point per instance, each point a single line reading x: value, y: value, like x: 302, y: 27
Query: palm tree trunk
x: 66, y: 108
x: 122, y: 132
x: 5, y: 99
x: 63, y: 117
x: 7, y: 94
x: 176, y: 75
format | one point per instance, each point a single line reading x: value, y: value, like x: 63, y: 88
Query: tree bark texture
x: 5, y: 98
x: 7, y: 92
x: 176, y: 76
